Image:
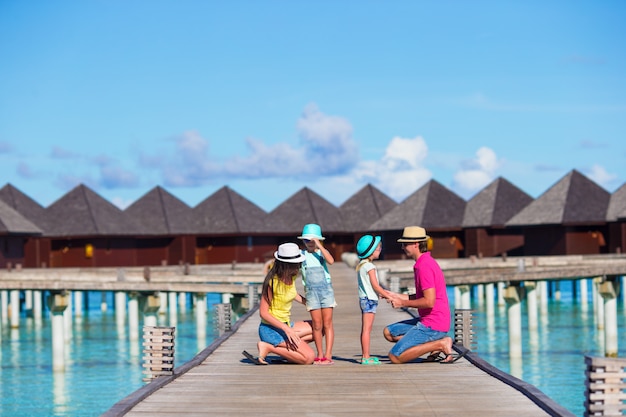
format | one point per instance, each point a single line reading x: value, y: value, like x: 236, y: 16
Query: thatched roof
x: 304, y: 207
x: 575, y: 199
x: 364, y: 208
x: 13, y: 223
x: 495, y: 204
x: 617, y: 205
x: 24, y: 205
x: 160, y: 213
x: 82, y: 212
x: 433, y: 206
x: 227, y: 212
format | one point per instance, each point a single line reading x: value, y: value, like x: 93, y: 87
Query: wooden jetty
x: 220, y: 381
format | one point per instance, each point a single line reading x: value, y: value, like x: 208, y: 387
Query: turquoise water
x: 553, y: 357
x: 102, y: 366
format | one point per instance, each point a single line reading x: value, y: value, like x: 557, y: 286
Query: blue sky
x: 270, y: 96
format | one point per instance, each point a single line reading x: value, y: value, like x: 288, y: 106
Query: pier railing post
x: 223, y: 313
x: 158, y: 343
x: 605, y: 386
x: 463, y: 332
x: 253, y: 295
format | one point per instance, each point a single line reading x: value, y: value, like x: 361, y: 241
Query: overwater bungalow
x: 82, y: 229
x: 568, y: 219
x: 285, y: 222
x: 34, y: 254
x: 616, y: 218
x: 14, y: 230
x: 361, y: 210
x: 485, y: 217
x: 228, y: 227
x: 163, y: 229
x: 435, y: 208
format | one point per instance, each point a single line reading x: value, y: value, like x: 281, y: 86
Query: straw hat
x: 290, y: 253
x: 413, y: 234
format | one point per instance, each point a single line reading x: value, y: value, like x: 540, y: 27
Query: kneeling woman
x: 278, y: 334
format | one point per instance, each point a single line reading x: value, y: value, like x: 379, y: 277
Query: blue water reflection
x: 553, y: 355
x: 102, y: 366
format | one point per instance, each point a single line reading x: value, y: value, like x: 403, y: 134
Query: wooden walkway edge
x: 219, y: 381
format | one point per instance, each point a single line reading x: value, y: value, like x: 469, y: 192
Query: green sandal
x: 370, y: 361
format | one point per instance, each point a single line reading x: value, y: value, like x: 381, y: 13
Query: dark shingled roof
x: 160, y: 213
x: 495, y: 204
x: 433, y: 206
x: 304, y: 207
x: 24, y: 205
x: 364, y: 208
x: 227, y: 212
x: 82, y: 212
x: 13, y: 223
x: 575, y: 199
x: 617, y: 205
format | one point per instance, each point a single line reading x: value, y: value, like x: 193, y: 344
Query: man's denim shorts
x: 415, y: 333
x: 367, y: 305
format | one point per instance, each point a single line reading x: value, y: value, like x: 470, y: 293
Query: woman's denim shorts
x: 415, y: 333
x: 272, y: 335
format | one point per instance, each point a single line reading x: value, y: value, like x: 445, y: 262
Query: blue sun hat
x: 311, y: 231
x: 367, y: 245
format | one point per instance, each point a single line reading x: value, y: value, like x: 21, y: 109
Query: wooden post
x: 463, y: 331
x: 605, y: 386
x: 515, y: 321
x: 201, y: 311
x: 15, y: 309
x: 584, y: 293
x: 609, y: 295
x: 253, y: 295
x: 223, y: 317
x: 172, y: 304
x: 599, y: 303
x: 159, y: 350
x: 133, y: 316
x: 151, y: 306
x: 501, y: 290
x: 57, y: 303
x: 466, y: 302
x: 531, y: 304
x: 120, y: 308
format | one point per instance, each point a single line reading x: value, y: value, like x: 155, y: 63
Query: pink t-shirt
x: 428, y: 274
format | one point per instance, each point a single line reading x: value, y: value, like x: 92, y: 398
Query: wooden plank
x: 224, y: 383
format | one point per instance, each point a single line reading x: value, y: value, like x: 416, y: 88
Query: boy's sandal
x: 370, y: 361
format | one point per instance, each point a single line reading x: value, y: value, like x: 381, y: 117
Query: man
x: 428, y: 333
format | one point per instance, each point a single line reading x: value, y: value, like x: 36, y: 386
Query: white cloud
x: 327, y: 149
x: 600, y: 175
x: 477, y: 172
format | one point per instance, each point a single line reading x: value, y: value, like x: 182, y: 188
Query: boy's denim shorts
x: 272, y: 335
x: 367, y: 305
x: 320, y: 296
x: 415, y: 333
